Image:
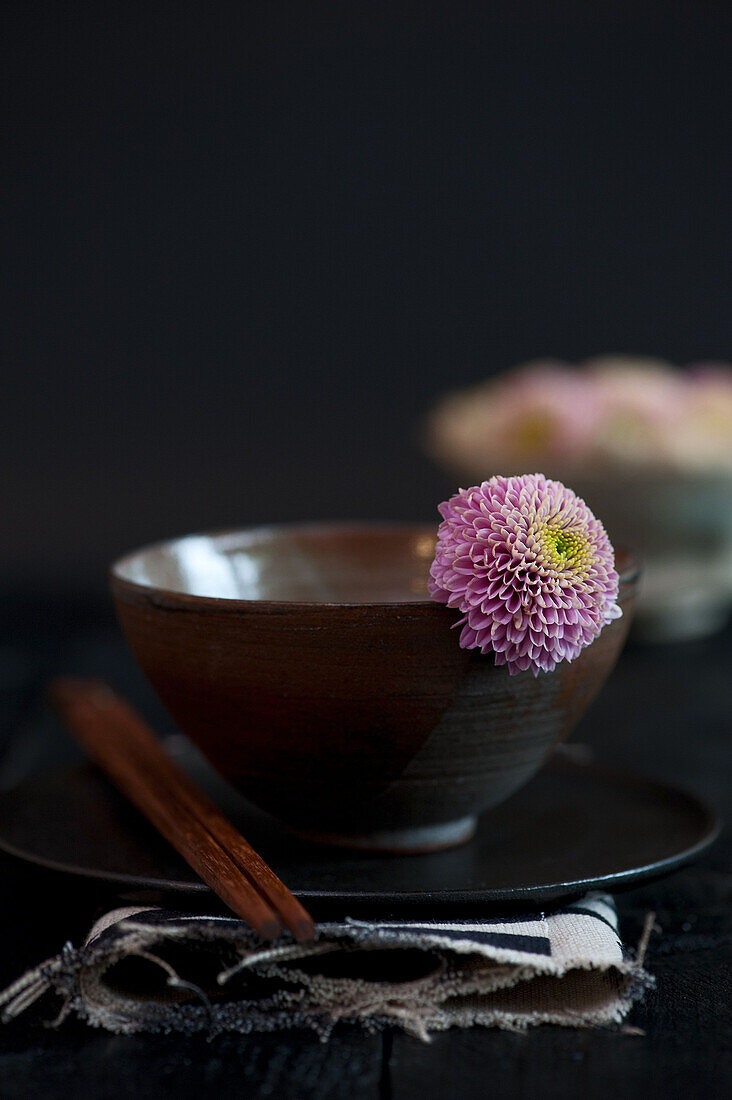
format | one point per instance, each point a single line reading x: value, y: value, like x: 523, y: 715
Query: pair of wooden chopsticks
x: 124, y: 747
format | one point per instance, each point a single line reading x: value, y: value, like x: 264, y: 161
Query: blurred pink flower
x: 638, y: 404
x: 539, y: 412
x: 529, y: 567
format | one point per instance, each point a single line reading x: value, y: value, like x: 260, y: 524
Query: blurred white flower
x: 704, y: 438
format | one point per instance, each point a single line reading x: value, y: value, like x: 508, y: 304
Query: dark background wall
x: 248, y: 246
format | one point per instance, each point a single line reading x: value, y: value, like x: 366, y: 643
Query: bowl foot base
x: 414, y: 839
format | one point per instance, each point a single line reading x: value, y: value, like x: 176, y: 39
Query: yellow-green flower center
x: 565, y: 549
x: 535, y: 430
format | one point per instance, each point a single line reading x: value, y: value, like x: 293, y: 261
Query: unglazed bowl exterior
x: 312, y: 669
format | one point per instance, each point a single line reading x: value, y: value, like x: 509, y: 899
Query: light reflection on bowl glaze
x: 310, y: 666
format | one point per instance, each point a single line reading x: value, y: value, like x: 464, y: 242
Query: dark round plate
x: 576, y: 826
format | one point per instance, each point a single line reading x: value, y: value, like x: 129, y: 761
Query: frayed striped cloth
x: 156, y: 970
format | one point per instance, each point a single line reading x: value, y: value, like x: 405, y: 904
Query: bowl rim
x: 136, y: 592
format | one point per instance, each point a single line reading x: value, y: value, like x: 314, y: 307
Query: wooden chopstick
x: 124, y: 747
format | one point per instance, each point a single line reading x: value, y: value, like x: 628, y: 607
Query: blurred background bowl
x: 683, y: 523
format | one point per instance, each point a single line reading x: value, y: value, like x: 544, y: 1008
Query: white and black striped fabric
x: 145, y: 969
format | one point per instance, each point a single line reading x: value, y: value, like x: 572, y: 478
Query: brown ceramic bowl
x: 310, y: 666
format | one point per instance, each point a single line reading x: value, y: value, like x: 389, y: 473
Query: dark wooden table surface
x: 666, y: 711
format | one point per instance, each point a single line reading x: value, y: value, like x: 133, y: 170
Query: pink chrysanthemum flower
x: 529, y: 567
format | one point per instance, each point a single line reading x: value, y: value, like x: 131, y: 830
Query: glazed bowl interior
x: 314, y: 564
x: 325, y: 564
